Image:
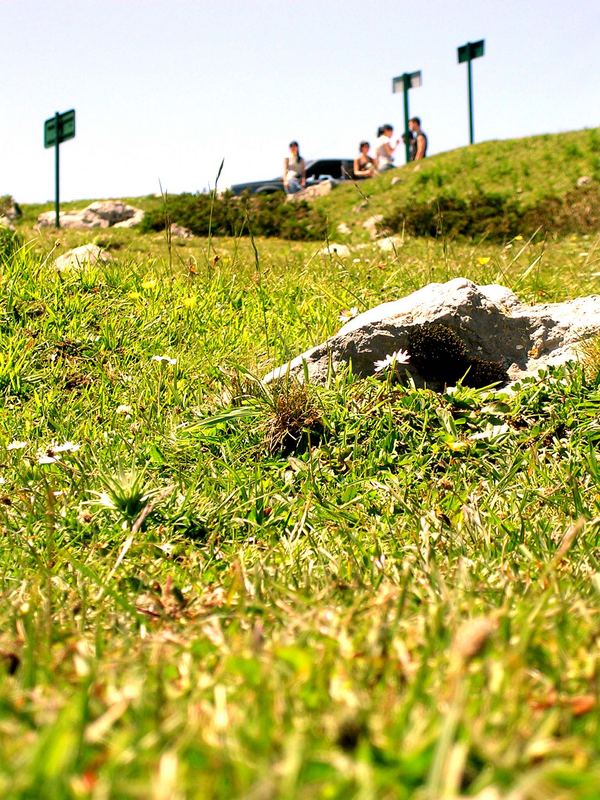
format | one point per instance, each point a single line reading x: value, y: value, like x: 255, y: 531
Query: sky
x: 164, y: 90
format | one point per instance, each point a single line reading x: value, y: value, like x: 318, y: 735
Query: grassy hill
x: 528, y: 170
x: 406, y: 608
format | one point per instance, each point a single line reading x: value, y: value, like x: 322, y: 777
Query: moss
x: 485, y: 373
x: 439, y: 354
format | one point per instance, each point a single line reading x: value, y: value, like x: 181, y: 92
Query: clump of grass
x: 589, y: 354
x: 295, y: 420
x: 126, y: 494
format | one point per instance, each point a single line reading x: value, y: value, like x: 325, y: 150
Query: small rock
x: 6, y: 222
x: 390, y: 244
x: 9, y: 209
x: 372, y: 225
x: 181, y: 232
x: 584, y: 180
x: 333, y: 249
x: 395, y: 180
x: 79, y: 257
x: 311, y: 192
x: 344, y: 229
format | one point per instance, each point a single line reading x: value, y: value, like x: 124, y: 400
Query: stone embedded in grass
x: 503, y: 338
x: 333, y: 249
x: 85, y: 256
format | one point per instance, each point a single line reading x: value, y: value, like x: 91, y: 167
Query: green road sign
x: 467, y: 52
x: 402, y: 83
x: 471, y: 50
x: 59, y: 128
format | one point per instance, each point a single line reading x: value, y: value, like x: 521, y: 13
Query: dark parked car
x: 322, y: 169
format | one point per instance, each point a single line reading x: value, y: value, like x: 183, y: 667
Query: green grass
x: 406, y: 609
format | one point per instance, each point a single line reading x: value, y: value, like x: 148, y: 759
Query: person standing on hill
x: 294, y: 170
x: 384, y: 149
x: 418, y: 143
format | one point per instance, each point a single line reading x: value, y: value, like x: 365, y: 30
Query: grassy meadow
x: 194, y: 608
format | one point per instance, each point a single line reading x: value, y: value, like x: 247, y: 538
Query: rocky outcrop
x: 490, y: 320
x: 101, y: 214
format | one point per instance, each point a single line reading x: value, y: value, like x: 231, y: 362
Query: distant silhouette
x: 418, y: 143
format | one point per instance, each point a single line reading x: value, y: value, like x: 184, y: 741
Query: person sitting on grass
x: 364, y: 164
x: 294, y: 170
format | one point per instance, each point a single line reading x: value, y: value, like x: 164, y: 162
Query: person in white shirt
x: 294, y: 170
x: 384, y: 149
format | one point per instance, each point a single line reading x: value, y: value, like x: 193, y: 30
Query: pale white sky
x: 164, y: 89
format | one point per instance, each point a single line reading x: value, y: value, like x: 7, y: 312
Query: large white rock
x: 491, y: 321
x: 101, y: 214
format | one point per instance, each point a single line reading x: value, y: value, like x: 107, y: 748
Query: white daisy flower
x: 67, y: 447
x: 348, y: 314
x: 16, y: 445
x: 392, y: 360
x: 50, y: 455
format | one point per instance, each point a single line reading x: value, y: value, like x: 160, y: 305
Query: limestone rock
x: 491, y: 321
x: 101, y: 214
x: 395, y: 180
x: 584, y: 180
x: 79, y: 257
x: 344, y: 229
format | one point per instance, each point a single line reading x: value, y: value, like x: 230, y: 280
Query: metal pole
x: 470, y: 78
x: 56, y: 173
x: 406, y: 131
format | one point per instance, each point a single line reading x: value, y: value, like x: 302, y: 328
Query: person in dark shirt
x: 418, y: 144
x: 364, y: 165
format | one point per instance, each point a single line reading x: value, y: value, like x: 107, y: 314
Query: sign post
x: 402, y: 83
x: 58, y: 129
x: 467, y: 52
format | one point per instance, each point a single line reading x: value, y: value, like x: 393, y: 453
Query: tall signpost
x: 467, y: 52
x: 58, y: 129
x: 402, y: 83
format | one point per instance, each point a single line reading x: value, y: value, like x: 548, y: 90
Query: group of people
x: 365, y: 166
